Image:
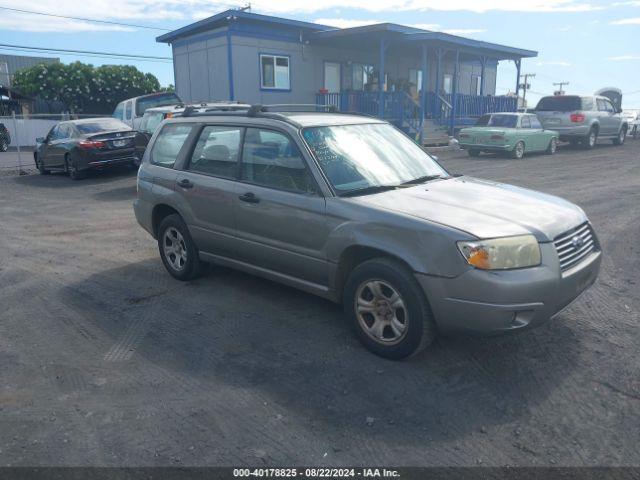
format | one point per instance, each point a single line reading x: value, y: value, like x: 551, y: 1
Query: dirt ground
x: 106, y: 360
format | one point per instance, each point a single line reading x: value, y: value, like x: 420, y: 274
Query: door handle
x: 185, y: 183
x: 249, y: 197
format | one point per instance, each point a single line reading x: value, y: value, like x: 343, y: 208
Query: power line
x: 10, y: 49
x: 32, y: 12
x: 560, y: 85
x: 85, y: 52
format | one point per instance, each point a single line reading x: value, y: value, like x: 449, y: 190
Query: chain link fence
x: 18, y: 134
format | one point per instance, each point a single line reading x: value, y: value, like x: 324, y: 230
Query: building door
x: 332, y: 77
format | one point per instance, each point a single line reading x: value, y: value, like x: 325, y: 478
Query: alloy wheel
x: 381, y: 312
x: 174, y: 248
x: 592, y: 138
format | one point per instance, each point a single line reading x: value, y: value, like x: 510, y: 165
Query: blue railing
x: 404, y: 111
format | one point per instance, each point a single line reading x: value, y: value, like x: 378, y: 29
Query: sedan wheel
x: 381, y: 312
x: 553, y: 146
x: 4, y: 146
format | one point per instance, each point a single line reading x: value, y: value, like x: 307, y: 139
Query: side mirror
x: 40, y: 140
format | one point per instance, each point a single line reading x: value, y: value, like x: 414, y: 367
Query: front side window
x: 216, y: 152
x: 274, y: 72
x: 357, y: 157
x: 168, y: 144
x: 272, y: 160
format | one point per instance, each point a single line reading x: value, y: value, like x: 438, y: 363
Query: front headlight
x: 502, y: 253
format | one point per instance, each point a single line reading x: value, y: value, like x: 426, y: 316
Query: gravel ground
x: 106, y: 360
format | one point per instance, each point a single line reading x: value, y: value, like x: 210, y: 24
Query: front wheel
x: 553, y: 146
x: 40, y: 166
x: 4, y: 144
x: 388, y: 309
x: 619, y: 140
x: 178, y: 251
x: 518, y: 150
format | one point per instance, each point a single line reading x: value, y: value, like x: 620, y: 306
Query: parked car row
x: 571, y: 118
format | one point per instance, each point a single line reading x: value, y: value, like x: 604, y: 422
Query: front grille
x: 573, y: 246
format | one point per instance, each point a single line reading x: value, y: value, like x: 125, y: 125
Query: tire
x: 553, y: 146
x: 414, y: 328
x: 622, y: 136
x: 71, y: 169
x: 635, y: 131
x: 518, y: 150
x: 591, y: 139
x: 40, y: 167
x: 177, y: 249
x: 4, y: 144
x: 473, y: 152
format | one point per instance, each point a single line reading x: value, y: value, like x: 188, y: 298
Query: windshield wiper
x: 368, y: 190
x: 424, y: 179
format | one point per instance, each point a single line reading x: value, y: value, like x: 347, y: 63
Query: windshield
x: 159, y: 100
x: 505, y: 121
x: 559, y: 103
x: 150, y: 121
x: 102, y: 125
x: 356, y: 157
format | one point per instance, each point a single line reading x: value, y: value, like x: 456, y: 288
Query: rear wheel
x: 473, y: 152
x: 388, y: 309
x: 71, y: 169
x: 4, y: 145
x: 591, y: 140
x: 178, y: 251
x: 553, y: 146
x: 518, y: 150
x: 619, y: 140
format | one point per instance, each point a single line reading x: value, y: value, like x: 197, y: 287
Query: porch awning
x: 394, y: 34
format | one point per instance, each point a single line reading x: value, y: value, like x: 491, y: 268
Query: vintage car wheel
x: 473, y: 152
x: 518, y: 150
x: 553, y: 146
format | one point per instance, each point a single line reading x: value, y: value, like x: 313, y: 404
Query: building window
x: 415, y: 79
x: 274, y: 72
x: 447, y: 84
x: 476, y: 83
x: 362, y: 77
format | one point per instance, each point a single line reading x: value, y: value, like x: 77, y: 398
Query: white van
x: 130, y: 111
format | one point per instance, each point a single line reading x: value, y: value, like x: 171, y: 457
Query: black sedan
x: 78, y: 146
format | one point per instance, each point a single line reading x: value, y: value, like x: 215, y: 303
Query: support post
x: 454, y: 96
x: 230, y: 64
x: 423, y: 90
x: 518, y: 77
x: 483, y: 64
x: 383, y: 47
x: 436, y: 104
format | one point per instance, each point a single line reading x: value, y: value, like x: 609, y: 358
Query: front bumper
x: 489, y: 302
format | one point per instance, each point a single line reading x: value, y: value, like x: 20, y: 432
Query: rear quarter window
x: 168, y: 144
x: 559, y: 103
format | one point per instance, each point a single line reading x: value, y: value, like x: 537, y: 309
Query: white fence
x: 24, y: 129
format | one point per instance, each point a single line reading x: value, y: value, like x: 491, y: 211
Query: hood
x: 482, y: 208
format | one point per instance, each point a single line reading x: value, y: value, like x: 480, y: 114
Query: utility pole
x: 246, y: 7
x: 526, y: 86
x: 560, y: 85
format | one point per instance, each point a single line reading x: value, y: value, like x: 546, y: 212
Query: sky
x: 590, y: 44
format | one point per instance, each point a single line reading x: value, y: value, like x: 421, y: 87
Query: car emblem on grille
x: 577, y: 242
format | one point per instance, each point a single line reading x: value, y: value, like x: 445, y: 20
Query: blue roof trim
x: 223, y: 18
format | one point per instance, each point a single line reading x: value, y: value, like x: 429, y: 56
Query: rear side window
x: 559, y: 103
x: 216, y: 152
x: 128, y: 109
x: 535, y: 123
x: 587, y: 103
x: 271, y: 159
x: 526, y: 122
x: 168, y: 144
x: 118, y: 112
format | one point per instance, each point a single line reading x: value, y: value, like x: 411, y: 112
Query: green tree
x: 83, y: 88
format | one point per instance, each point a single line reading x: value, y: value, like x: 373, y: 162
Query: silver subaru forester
x: 349, y: 208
